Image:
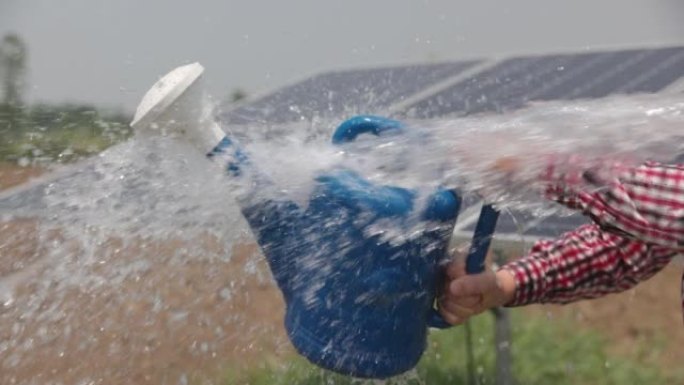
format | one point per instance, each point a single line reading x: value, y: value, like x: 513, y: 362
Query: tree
x: 237, y: 95
x: 13, y: 55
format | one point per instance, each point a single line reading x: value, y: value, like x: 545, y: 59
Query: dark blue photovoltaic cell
x: 614, y: 79
x: 512, y: 83
x: 503, y: 87
x: 575, y: 77
x: 660, y: 76
x: 337, y: 94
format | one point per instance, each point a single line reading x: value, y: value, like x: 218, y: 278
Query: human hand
x: 466, y: 295
x: 507, y: 164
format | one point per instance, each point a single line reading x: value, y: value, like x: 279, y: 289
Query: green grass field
x: 544, y: 353
x: 49, y: 134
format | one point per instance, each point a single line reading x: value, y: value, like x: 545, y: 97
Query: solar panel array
x: 503, y: 86
x: 514, y: 82
x: 448, y: 89
x: 343, y: 92
x: 507, y: 85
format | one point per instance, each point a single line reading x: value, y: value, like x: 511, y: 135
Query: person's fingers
x: 473, y: 285
x: 506, y: 164
x: 455, y: 269
x: 445, y: 290
x: 449, y: 317
x: 455, y: 313
x: 458, y: 310
x: 473, y: 301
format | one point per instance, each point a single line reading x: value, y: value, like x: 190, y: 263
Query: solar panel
x: 514, y: 82
x: 335, y: 94
x: 577, y: 76
x: 619, y: 78
x: 659, y: 76
x: 496, y: 89
x: 506, y: 85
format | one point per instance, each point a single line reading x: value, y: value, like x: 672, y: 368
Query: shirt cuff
x: 530, y: 283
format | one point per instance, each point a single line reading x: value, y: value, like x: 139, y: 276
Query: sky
x: 109, y: 52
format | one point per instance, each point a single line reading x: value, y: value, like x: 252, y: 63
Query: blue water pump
x: 356, y: 303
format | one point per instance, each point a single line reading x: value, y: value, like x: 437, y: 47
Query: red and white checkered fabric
x: 638, y: 228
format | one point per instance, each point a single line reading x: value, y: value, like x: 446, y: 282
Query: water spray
x: 357, y: 303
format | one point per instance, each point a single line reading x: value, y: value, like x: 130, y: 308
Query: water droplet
x: 225, y: 294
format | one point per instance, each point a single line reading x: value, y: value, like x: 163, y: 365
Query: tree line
x: 46, y: 133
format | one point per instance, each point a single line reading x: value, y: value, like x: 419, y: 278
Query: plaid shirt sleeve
x: 638, y: 227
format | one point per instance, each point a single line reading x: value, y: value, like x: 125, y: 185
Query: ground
x: 11, y: 175
x: 200, y: 317
x: 645, y: 321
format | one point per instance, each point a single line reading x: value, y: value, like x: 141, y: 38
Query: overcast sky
x: 109, y: 52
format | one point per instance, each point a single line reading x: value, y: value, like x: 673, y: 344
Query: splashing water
x: 461, y: 153
x: 141, y: 268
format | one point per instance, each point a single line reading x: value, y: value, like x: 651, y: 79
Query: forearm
x: 585, y: 263
x: 644, y: 203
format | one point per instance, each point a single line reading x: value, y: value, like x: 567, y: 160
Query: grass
x: 544, y: 352
x: 66, y: 133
